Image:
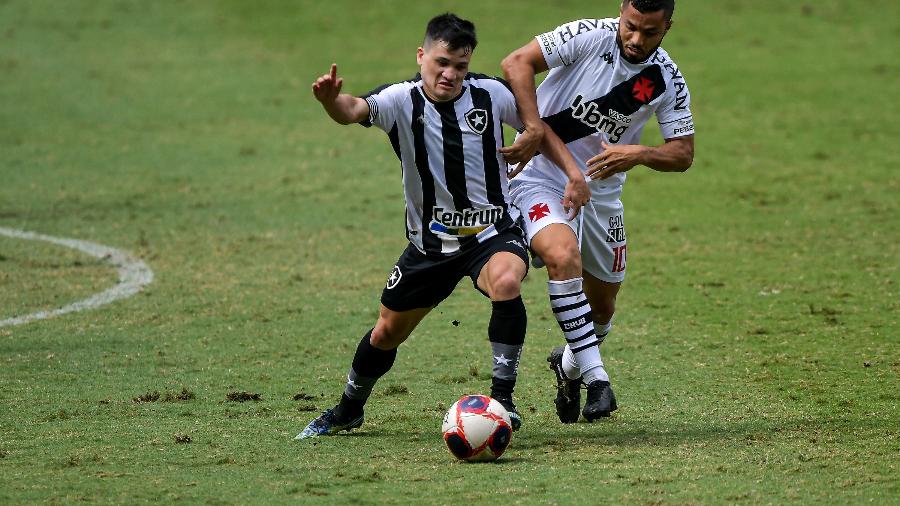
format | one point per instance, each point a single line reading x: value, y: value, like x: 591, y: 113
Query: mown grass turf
x: 755, y: 353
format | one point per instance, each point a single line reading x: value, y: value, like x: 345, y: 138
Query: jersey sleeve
x: 674, y: 113
x: 509, y: 110
x: 384, y: 104
x: 569, y: 42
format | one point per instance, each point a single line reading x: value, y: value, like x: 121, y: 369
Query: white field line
x: 134, y: 275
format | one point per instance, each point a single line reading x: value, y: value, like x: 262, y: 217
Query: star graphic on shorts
x: 394, y: 278
x: 502, y: 360
x: 352, y: 383
x: 538, y: 211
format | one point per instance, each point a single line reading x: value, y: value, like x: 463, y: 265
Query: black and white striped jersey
x: 454, y: 177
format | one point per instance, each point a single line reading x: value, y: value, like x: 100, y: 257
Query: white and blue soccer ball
x: 477, y: 428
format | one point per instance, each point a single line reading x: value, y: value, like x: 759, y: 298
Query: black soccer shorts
x: 418, y: 281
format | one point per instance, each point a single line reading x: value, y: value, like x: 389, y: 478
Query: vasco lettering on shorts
x: 464, y: 222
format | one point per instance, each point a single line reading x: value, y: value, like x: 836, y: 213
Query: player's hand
x: 327, y: 88
x: 577, y: 194
x: 614, y: 159
x: 511, y: 173
x: 526, y: 145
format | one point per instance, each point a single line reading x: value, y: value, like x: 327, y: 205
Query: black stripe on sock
x: 569, y: 307
x: 589, y: 333
x: 582, y: 348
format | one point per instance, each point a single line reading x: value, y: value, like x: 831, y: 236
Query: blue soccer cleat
x: 515, y: 419
x: 328, y: 424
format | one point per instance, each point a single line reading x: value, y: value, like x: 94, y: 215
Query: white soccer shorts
x: 600, y: 227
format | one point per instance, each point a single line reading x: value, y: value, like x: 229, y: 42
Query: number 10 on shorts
x: 619, y: 259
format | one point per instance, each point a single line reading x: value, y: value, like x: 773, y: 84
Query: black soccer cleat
x: 601, y: 401
x: 568, y: 391
x: 515, y: 419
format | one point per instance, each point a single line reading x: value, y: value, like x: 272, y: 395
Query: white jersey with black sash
x: 454, y: 177
x: 592, y: 94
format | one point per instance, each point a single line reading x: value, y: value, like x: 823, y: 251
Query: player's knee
x: 506, y: 286
x: 563, y: 260
x: 387, y: 335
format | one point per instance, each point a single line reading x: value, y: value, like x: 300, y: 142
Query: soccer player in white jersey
x: 445, y: 126
x: 606, y: 78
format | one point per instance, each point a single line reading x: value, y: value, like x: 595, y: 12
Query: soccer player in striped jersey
x: 606, y: 78
x: 445, y: 126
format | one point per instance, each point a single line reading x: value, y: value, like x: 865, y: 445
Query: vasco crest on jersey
x: 477, y: 120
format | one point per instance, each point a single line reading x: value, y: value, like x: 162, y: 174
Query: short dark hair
x: 645, y: 6
x: 456, y: 32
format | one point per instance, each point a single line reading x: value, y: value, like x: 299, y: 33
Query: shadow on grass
x: 529, y: 444
x: 612, y: 432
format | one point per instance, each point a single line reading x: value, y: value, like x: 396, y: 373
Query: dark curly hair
x: 652, y: 6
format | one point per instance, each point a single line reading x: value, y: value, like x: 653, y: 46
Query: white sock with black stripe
x: 570, y: 366
x: 573, y: 313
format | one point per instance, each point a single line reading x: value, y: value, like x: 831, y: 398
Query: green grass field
x: 755, y: 355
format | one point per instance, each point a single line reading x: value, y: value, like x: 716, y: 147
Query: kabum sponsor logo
x: 465, y: 222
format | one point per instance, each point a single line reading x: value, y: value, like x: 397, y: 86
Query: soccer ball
x: 477, y: 428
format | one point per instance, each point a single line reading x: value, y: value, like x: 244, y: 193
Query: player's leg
x: 500, y: 278
x: 553, y: 238
x: 603, y: 263
x: 602, y: 296
x: 414, y: 287
x: 374, y: 357
x: 601, y: 400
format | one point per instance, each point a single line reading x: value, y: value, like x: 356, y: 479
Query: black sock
x: 501, y: 388
x: 369, y: 364
x: 506, y: 332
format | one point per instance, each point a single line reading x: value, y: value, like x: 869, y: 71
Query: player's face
x: 443, y: 70
x: 640, y: 33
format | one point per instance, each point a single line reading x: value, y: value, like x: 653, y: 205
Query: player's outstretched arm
x: 343, y: 108
x: 577, y: 193
x: 676, y: 155
x: 519, y: 69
